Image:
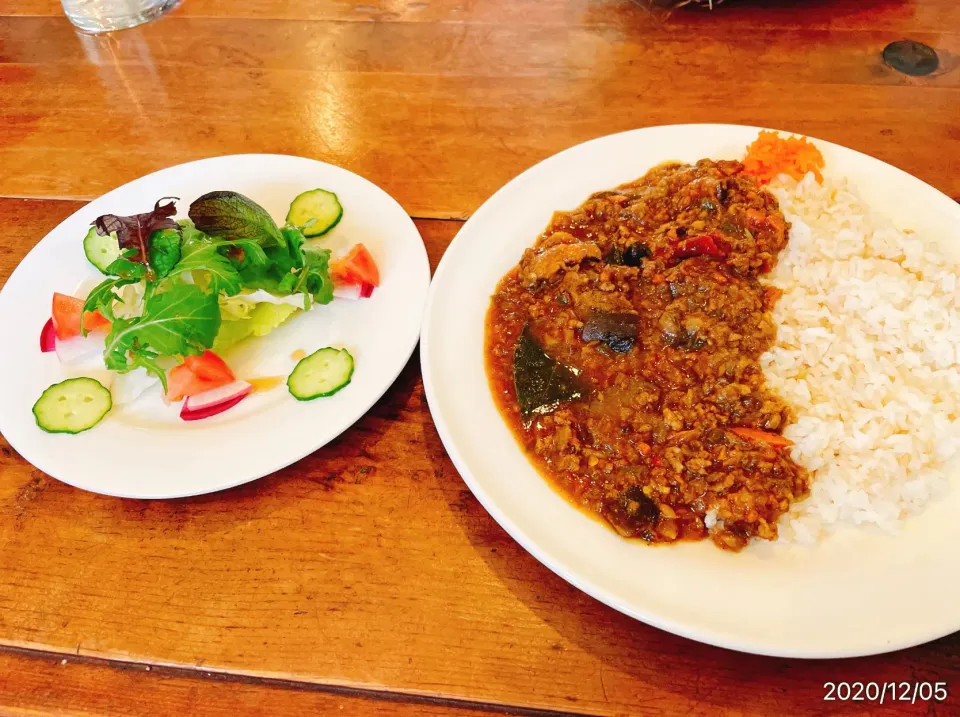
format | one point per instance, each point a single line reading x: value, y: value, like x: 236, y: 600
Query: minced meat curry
x: 623, y: 350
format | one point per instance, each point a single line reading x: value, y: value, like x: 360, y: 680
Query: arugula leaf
x: 179, y: 321
x: 140, y: 358
x: 102, y: 298
x: 315, y: 278
x: 134, y: 231
x: 164, y: 251
x: 230, y: 215
x: 248, y: 255
x: 311, y: 266
x: 270, y: 269
x: 188, y: 230
x: 201, y: 253
x: 296, y: 268
x: 295, y: 241
x: 115, y: 355
x: 282, y: 263
x: 287, y: 285
x: 125, y: 268
x: 233, y: 247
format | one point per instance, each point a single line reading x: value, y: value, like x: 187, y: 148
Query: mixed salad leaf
x: 204, y: 258
x: 180, y: 321
x: 229, y: 244
x: 174, y: 292
x: 230, y: 215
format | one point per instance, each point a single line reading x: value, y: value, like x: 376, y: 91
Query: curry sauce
x: 623, y: 350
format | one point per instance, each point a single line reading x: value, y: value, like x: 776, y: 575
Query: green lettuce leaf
x: 179, y: 321
x: 261, y: 320
x: 236, y: 307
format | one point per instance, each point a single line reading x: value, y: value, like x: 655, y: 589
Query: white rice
x: 868, y: 354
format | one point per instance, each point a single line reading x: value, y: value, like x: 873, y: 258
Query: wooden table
x: 366, y: 580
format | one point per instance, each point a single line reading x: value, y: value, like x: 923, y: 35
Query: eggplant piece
x: 723, y: 191
x: 621, y: 346
x: 616, y: 330
x: 542, y: 383
x: 635, y: 254
x: 632, y: 514
x: 614, y: 256
x: 685, y: 334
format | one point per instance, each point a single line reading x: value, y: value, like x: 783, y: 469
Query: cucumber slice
x: 320, y: 374
x: 101, y: 251
x: 315, y: 212
x: 73, y: 406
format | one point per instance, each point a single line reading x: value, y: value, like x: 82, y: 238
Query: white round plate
x: 144, y: 450
x: 858, y: 593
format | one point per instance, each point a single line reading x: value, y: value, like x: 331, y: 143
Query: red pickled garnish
x: 704, y: 245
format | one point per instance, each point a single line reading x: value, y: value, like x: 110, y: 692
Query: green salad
x: 178, y: 294
x: 187, y: 272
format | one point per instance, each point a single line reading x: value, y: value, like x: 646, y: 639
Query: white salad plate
x: 143, y: 449
x: 858, y: 592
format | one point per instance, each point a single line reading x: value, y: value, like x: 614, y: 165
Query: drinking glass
x: 107, y: 15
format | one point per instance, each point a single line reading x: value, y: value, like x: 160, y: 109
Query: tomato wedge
x: 356, y: 268
x: 209, y: 367
x: 66, y: 317
x: 196, y: 375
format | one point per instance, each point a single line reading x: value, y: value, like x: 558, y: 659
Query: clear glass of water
x: 107, y: 15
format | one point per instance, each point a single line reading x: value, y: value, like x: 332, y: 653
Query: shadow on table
x: 348, y: 459
x: 634, y: 654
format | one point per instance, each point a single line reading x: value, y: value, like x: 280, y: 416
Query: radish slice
x: 82, y: 352
x: 346, y: 291
x: 128, y: 387
x: 48, y: 337
x: 83, y: 357
x: 217, y: 400
x: 217, y: 395
x: 209, y: 411
x: 352, y: 291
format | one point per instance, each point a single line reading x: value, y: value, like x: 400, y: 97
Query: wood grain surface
x: 902, y: 15
x: 40, y: 683
x: 369, y: 565
x: 366, y: 579
x: 441, y: 111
